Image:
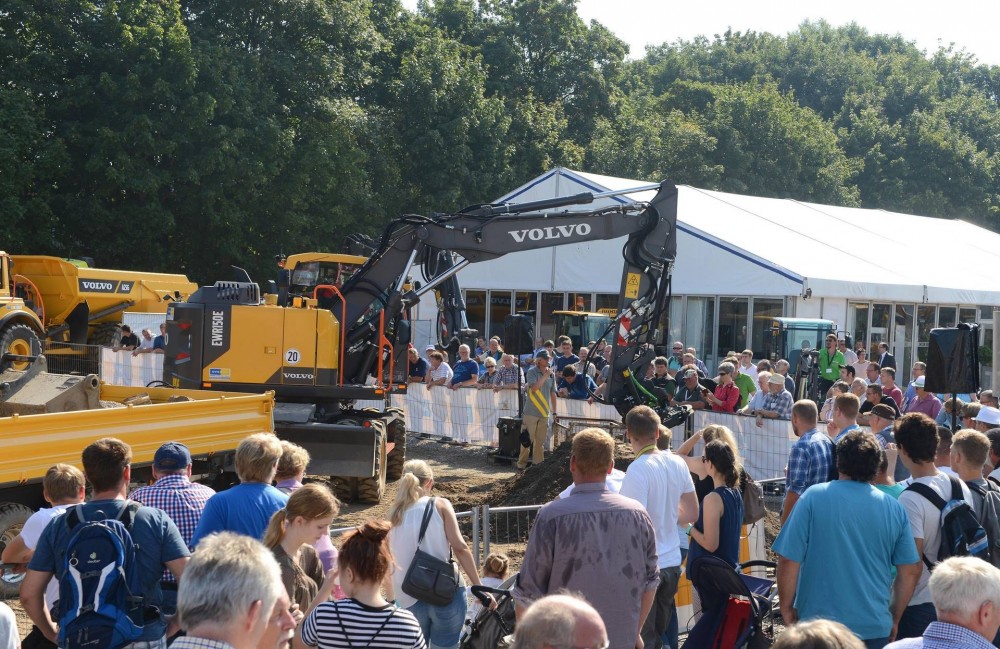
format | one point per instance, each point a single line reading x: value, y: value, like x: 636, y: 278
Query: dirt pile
x: 543, y: 483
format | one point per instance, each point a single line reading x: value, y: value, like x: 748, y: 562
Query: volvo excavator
x: 345, y: 343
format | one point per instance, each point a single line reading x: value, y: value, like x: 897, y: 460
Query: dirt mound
x: 543, y: 483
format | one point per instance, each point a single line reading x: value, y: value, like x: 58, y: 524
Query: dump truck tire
x: 397, y: 457
x: 21, y: 340
x: 343, y: 488
x: 106, y: 334
x: 371, y: 490
x: 12, y: 517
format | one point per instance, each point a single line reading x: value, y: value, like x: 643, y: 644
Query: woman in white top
x: 441, y: 625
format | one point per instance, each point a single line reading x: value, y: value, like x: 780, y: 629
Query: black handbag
x: 429, y: 579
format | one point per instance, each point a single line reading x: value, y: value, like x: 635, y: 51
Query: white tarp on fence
x: 122, y: 368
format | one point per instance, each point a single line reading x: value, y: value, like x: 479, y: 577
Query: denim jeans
x: 669, y: 637
x: 442, y: 625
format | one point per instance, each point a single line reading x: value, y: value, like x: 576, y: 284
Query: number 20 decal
x: 292, y: 357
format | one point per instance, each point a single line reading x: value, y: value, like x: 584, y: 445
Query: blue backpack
x: 100, y: 592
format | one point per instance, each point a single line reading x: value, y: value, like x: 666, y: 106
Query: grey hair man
x: 564, y: 620
x: 230, y: 592
x: 966, y: 596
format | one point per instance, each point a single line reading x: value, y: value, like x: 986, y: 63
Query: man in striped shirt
x: 182, y: 500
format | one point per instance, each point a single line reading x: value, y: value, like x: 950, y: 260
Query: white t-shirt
x: 403, y: 543
x: 9, y: 638
x: 32, y: 531
x: 657, y: 481
x: 613, y: 482
x: 925, y: 523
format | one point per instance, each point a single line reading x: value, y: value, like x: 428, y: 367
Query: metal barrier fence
x: 67, y: 358
x: 468, y: 522
x: 507, y: 526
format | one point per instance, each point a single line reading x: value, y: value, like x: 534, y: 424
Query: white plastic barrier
x: 764, y: 449
x: 122, y: 368
x: 471, y: 415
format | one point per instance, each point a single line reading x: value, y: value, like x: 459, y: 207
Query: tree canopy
x: 192, y: 135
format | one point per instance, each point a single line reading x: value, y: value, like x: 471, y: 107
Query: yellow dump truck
x: 84, y: 305
x: 211, y: 424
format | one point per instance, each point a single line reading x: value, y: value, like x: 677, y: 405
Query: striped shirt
x: 348, y: 623
x: 182, y: 500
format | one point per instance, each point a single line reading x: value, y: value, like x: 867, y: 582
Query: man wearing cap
x: 539, y: 404
x: 874, y: 397
x: 910, y: 394
x: 881, y: 419
x: 182, y: 500
x: 987, y: 418
x: 689, y: 391
x: 675, y: 362
x: 986, y: 398
x: 924, y: 401
x: 778, y: 401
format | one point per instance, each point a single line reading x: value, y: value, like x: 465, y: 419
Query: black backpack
x: 961, y: 533
x: 990, y: 517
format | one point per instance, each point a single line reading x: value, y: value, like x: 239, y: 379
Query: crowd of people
x: 868, y: 552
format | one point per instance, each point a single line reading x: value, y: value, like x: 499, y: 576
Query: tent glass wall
x: 699, y: 327
x: 499, y: 310
x: 733, y: 320
x: 546, y: 324
x: 763, y: 311
x: 475, y: 310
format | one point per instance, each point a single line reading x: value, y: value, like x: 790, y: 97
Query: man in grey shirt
x: 595, y: 542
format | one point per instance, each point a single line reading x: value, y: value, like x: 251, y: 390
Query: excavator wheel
x: 343, y: 488
x: 397, y: 456
x: 21, y: 340
x: 12, y: 518
x: 371, y: 490
x: 106, y: 334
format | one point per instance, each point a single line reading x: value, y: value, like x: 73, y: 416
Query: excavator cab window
x: 307, y: 276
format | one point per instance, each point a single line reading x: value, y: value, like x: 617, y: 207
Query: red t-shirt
x: 729, y: 395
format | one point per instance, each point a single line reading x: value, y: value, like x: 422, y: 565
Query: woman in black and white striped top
x: 364, y: 620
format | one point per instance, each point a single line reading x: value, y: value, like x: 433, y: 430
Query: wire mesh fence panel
x: 507, y: 526
x: 67, y: 358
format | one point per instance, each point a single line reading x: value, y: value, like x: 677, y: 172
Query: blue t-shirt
x: 465, y: 370
x: 244, y: 509
x: 160, y: 342
x: 418, y: 369
x: 847, y: 536
x: 154, y: 534
x: 579, y: 388
x: 562, y: 361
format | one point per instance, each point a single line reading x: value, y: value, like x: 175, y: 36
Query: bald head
x: 560, y: 621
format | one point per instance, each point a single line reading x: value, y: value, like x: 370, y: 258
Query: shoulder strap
x: 128, y: 513
x: 428, y: 512
x: 994, y: 481
x: 74, y: 516
x: 978, y: 488
x: 928, y: 493
x: 956, y: 488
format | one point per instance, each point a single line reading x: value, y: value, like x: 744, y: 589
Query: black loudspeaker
x: 953, y: 360
x: 509, y: 436
x: 518, y: 334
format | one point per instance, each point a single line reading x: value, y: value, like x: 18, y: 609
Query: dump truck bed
x: 212, y: 422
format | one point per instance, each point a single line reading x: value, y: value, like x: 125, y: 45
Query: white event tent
x: 880, y: 275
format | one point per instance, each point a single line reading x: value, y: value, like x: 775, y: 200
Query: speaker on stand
x: 518, y: 339
x: 953, y: 361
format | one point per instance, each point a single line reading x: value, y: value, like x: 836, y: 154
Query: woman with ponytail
x: 442, y: 625
x: 717, y: 531
x: 364, y: 618
x: 291, y: 535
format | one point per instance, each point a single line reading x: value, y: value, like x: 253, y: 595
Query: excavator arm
x: 444, y: 244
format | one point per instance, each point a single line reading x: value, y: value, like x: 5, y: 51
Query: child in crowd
x: 494, y: 573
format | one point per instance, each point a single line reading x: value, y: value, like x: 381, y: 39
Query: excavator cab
x: 796, y: 340
x: 582, y: 327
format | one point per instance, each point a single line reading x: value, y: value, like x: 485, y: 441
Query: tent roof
x: 833, y: 251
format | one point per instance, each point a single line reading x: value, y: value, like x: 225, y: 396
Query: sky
x: 969, y: 24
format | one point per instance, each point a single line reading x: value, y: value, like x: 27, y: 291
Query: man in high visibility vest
x: 539, y: 404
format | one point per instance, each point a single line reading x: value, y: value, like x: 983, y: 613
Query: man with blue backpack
x: 108, y: 555
x: 942, y: 520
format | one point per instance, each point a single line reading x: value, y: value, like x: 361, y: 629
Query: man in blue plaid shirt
x: 811, y: 459
x: 182, y: 500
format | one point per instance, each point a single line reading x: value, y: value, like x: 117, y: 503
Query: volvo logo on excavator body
x: 550, y: 232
